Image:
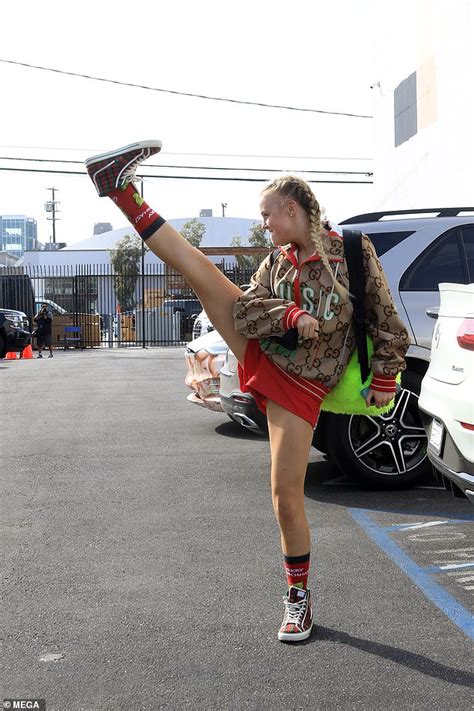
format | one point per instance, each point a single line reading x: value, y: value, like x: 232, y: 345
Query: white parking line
x: 412, y: 526
x: 456, y: 566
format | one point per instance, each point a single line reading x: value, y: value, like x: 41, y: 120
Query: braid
x: 293, y: 188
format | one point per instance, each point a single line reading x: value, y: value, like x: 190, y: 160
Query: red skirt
x: 265, y: 380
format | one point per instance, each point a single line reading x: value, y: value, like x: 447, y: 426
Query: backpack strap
x: 273, y: 256
x: 355, y: 266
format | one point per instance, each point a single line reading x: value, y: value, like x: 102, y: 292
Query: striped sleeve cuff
x: 291, y: 316
x: 384, y: 384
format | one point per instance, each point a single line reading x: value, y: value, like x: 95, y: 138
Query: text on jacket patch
x: 310, y: 303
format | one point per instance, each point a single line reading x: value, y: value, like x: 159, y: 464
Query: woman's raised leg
x: 112, y: 174
x: 216, y: 293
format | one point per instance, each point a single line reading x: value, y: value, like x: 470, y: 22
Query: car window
x: 442, y: 262
x: 383, y: 241
x: 468, y: 240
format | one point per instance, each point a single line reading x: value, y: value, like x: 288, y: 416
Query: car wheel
x: 387, y: 451
x: 2, y: 347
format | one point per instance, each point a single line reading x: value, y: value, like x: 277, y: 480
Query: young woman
x: 304, y: 288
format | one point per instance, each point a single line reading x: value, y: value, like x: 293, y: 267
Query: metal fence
x: 151, y: 306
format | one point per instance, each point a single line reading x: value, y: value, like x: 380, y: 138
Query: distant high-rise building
x: 101, y: 227
x: 18, y: 233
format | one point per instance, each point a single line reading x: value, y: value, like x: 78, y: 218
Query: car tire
x: 387, y: 452
x: 2, y: 347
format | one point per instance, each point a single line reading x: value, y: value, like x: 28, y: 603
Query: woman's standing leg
x: 112, y: 174
x: 290, y: 442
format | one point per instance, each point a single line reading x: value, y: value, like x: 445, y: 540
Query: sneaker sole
x: 111, y: 154
x: 294, y: 636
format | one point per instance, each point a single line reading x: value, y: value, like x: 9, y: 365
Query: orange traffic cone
x: 27, y: 352
x: 10, y: 356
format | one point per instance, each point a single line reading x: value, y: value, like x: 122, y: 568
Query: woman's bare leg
x: 113, y: 174
x: 216, y: 293
x: 290, y: 442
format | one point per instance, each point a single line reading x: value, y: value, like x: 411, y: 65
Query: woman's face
x: 277, y: 219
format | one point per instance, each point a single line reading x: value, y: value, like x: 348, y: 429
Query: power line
x: 207, y: 155
x: 183, y: 93
x: 205, y: 167
x: 182, y: 177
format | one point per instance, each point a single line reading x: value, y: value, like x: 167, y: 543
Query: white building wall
x: 435, y: 167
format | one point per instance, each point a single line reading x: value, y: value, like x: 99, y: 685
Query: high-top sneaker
x: 111, y: 170
x: 298, y: 619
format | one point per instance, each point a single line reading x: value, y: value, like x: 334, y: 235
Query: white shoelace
x: 129, y: 175
x: 294, y: 611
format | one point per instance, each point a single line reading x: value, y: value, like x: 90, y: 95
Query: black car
x: 13, y: 335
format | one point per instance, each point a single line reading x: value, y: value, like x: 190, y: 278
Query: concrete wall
x: 429, y: 42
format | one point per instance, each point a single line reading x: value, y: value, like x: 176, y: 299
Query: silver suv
x: 418, y: 250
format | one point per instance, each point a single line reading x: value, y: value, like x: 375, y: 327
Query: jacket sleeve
x: 258, y: 312
x: 389, y: 334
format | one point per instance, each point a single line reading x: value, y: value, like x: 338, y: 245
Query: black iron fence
x: 152, y: 306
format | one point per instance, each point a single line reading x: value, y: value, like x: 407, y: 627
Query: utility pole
x: 50, y: 206
x: 223, y: 205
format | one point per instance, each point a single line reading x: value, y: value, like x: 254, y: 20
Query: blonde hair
x: 290, y: 187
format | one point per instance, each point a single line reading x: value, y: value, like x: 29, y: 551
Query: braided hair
x: 290, y: 187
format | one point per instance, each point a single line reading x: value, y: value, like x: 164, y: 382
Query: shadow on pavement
x: 236, y: 431
x: 418, y: 662
x: 349, y: 493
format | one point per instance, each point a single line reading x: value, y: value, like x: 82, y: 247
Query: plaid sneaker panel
x: 109, y: 171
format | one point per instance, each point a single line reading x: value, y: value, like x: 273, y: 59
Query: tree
x: 258, y: 238
x: 125, y: 259
x: 243, y: 262
x: 193, y: 232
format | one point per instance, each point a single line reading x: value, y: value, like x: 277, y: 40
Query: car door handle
x: 432, y: 311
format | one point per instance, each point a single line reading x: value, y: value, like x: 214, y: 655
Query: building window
x: 405, y: 115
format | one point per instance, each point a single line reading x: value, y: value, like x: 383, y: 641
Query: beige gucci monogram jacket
x: 279, y: 293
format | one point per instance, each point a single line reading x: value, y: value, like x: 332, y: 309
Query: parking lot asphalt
x: 143, y: 569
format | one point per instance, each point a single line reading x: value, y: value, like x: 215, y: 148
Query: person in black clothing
x: 44, y: 322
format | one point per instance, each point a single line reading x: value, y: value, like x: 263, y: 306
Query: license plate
x: 436, y: 436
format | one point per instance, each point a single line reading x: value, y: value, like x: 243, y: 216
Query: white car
x: 204, y: 359
x: 201, y: 325
x: 446, y: 400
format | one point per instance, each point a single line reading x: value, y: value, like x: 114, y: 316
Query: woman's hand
x: 379, y: 399
x: 307, y: 326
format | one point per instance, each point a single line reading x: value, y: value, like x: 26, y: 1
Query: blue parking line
x: 433, y: 591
